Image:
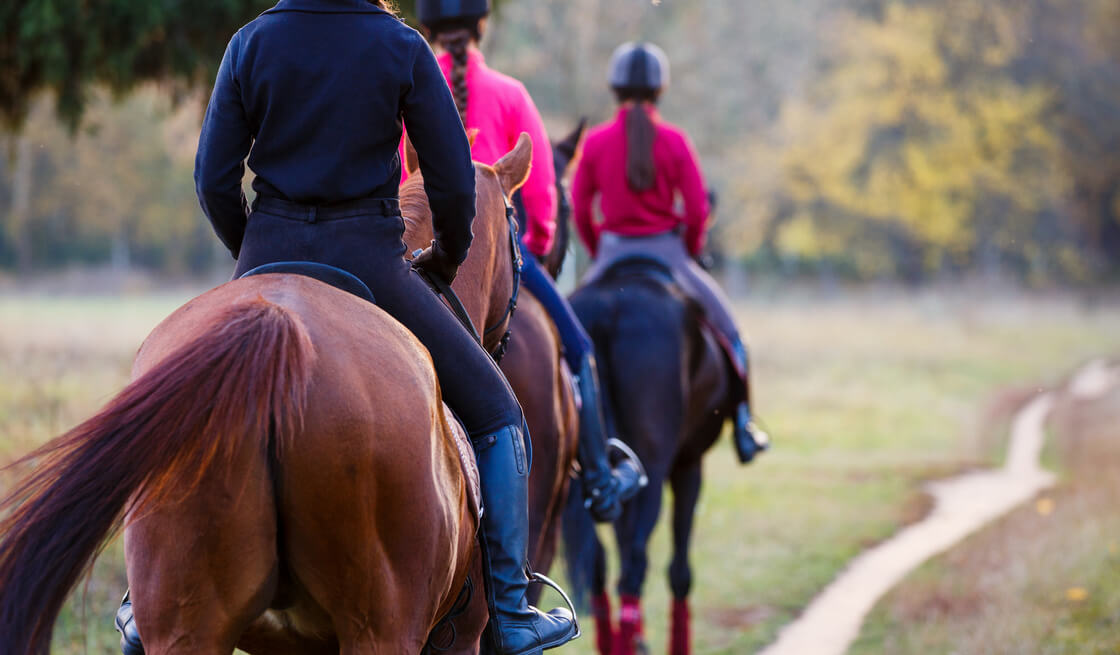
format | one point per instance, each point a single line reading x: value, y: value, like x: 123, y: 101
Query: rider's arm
x: 583, y: 194
x: 223, y: 145
x: 445, y: 154
x: 539, y: 192
x: 696, y: 208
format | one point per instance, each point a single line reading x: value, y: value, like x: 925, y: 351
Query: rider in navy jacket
x: 314, y: 93
x: 316, y: 141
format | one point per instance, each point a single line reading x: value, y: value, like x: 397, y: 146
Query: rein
x: 511, y: 307
x: 442, y: 288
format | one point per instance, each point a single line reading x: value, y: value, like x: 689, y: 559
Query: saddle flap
x: 332, y: 275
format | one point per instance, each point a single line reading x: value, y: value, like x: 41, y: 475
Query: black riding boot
x: 604, y: 489
x: 748, y: 437
x: 126, y: 625
x: 515, y: 628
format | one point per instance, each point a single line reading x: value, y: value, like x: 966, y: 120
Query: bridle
x: 442, y: 288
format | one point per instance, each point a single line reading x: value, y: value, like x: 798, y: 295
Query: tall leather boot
x: 749, y: 439
x: 605, y: 490
x: 126, y: 625
x: 515, y: 627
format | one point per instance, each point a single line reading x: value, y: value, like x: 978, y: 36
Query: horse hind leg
x: 204, y: 568
x: 633, y: 531
x: 685, y: 482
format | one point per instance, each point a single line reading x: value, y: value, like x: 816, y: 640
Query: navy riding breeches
x: 367, y: 241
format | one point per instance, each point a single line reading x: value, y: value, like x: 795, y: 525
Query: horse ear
x: 569, y: 145
x: 472, y: 135
x: 411, y: 159
x: 513, y: 168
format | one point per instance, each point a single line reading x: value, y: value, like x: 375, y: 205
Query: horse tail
x: 581, y: 545
x: 241, y: 381
x: 583, y: 553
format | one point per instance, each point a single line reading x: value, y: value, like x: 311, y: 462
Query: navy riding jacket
x: 314, y: 92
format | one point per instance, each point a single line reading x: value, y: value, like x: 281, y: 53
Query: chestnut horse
x: 532, y: 362
x: 670, y: 390
x: 285, y: 471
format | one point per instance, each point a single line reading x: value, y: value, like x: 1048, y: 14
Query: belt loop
x: 311, y: 212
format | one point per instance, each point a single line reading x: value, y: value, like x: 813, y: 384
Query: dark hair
x: 454, y: 36
x: 641, y: 174
x: 388, y: 5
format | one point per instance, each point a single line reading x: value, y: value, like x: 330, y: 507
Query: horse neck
x: 485, y: 280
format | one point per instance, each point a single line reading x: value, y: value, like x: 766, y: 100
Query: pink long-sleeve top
x: 602, y: 174
x: 500, y: 108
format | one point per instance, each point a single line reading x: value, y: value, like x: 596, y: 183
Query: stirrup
x: 541, y: 578
x: 628, y: 453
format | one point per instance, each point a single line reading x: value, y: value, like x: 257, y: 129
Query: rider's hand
x: 435, y: 261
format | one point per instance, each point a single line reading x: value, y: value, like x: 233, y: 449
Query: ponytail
x: 641, y: 174
x: 640, y: 171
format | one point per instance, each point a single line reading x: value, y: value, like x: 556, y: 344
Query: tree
x: 913, y: 143
x: 69, y: 46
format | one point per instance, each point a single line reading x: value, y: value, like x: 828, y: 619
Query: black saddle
x: 332, y: 275
x: 639, y: 267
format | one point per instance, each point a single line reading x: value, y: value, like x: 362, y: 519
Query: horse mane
x: 414, y: 202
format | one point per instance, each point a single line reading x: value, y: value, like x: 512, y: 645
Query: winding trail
x: 962, y: 505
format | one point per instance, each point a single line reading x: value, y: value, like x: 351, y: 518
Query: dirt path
x: 962, y: 505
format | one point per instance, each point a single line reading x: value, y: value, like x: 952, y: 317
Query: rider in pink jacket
x: 500, y: 109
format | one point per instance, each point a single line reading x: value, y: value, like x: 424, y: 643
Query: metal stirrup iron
x: 541, y: 578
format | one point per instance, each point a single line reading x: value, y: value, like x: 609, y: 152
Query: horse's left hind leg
x: 685, y: 481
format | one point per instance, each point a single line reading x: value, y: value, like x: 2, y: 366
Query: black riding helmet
x: 431, y: 12
x: 639, y: 66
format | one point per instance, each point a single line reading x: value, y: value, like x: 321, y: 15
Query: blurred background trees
x: 916, y: 140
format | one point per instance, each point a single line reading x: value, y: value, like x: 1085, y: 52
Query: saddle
x: 332, y: 275
x: 640, y: 267
x: 649, y: 269
x: 350, y: 283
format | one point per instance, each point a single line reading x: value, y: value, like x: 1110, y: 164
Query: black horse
x: 670, y: 390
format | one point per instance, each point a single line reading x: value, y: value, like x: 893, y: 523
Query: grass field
x: 865, y: 397
x: 1044, y: 580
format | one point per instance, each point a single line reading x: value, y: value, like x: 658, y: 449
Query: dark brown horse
x: 670, y: 390
x: 258, y: 461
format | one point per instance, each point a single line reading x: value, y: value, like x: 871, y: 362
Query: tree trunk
x: 19, y: 214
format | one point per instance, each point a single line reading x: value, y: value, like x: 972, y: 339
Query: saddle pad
x: 466, y: 460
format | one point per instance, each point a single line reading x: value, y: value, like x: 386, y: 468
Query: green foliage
x: 67, y: 45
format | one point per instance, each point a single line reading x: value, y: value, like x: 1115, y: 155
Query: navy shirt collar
x: 328, y: 7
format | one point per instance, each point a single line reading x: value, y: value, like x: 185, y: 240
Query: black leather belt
x: 315, y: 213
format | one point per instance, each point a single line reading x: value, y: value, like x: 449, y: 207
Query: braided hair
x: 455, y: 36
